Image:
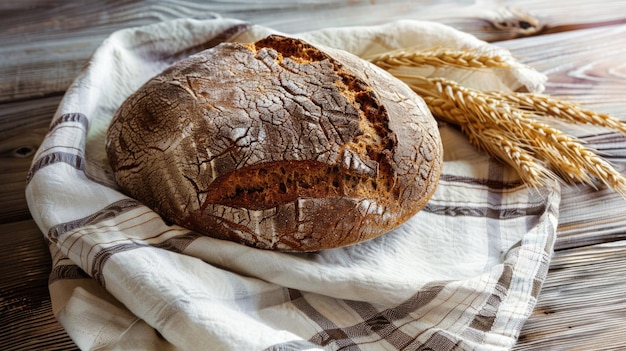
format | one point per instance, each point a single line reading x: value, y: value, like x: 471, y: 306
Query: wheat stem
x: 439, y: 57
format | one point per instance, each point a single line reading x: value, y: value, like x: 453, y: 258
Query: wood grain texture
x: 579, y: 44
x: 23, y: 126
x: 44, y: 47
x: 596, y: 78
x: 582, y: 304
x: 25, y: 311
x: 586, y: 66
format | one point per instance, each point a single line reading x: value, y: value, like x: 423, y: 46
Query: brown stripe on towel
x: 439, y: 341
x: 537, y: 284
x: 487, y: 315
x: 97, y: 272
x: 548, y: 250
x: 72, y: 271
x: 76, y: 160
x: 63, y: 272
x: 382, y: 323
x: 376, y: 322
x: 330, y: 331
x: 108, y: 212
x: 485, y: 212
x: 175, y: 244
x: 495, y: 211
x: 71, y: 117
x: 490, y: 183
x: 178, y: 243
x: 544, y: 265
x: 73, y: 160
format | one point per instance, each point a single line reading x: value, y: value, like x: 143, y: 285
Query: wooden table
x: 580, y: 45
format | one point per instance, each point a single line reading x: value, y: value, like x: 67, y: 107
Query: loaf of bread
x: 277, y: 144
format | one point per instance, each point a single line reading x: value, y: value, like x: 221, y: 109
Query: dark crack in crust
x: 278, y: 145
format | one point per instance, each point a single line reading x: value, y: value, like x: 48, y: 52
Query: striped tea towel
x: 463, y: 274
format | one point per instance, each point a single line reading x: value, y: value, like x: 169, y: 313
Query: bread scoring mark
x: 270, y: 184
x: 332, y: 146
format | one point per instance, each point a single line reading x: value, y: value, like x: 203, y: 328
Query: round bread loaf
x: 277, y: 144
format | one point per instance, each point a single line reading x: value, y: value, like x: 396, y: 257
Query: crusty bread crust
x: 278, y: 145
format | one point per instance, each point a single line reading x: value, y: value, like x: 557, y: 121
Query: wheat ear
x: 514, y: 135
x: 565, y: 110
x: 506, y: 125
x: 532, y: 171
x: 469, y: 58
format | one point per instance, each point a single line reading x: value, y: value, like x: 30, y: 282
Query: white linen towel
x: 462, y: 274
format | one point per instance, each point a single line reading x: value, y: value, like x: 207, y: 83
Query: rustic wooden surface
x: 580, y: 45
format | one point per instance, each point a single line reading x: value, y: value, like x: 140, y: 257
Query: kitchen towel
x: 462, y: 274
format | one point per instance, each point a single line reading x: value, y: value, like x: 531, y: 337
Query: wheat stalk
x: 506, y: 125
x: 471, y: 58
x: 437, y: 57
x: 537, y: 151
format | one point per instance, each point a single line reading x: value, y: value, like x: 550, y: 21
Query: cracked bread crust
x: 277, y: 145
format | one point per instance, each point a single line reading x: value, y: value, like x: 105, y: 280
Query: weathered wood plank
x: 45, y: 47
x: 25, y: 312
x: 582, y: 304
x: 586, y: 66
x: 23, y: 126
x: 561, y: 16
